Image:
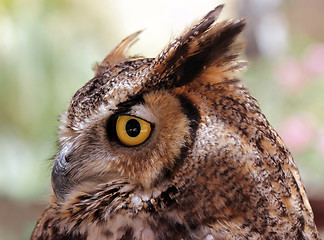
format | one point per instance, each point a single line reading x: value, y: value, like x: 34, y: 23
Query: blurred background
x: 47, y: 49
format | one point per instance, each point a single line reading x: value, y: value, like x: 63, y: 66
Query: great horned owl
x: 174, y: 147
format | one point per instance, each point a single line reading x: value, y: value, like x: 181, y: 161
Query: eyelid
x: 132, y: 115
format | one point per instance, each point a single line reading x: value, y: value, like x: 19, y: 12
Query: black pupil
x: 133, y: 128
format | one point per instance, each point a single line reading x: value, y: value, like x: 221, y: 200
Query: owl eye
x: 132, y: 131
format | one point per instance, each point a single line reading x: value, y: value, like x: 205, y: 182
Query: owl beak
x: 60, y: 180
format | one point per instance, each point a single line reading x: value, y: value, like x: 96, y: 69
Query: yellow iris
x: 132, y: 131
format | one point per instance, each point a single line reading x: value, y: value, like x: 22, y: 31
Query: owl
x: 174, y: 147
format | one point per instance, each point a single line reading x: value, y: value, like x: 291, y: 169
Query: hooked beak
x: 60, y: 179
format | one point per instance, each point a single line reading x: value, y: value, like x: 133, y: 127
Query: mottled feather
x: 212, y: 166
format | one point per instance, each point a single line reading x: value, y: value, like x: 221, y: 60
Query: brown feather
x: 204, y: 45
x: 117, y: 55
x: 211, y: 168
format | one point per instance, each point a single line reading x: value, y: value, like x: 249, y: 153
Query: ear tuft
x: 205, y: 45
x: 116, y: 56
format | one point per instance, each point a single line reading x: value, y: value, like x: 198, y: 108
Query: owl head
x: 138, y: 117
x: 184, y: 121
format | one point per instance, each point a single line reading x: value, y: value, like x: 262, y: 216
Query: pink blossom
x: 291, y: 74
x: 314, y: 59
x: 297, y: 132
